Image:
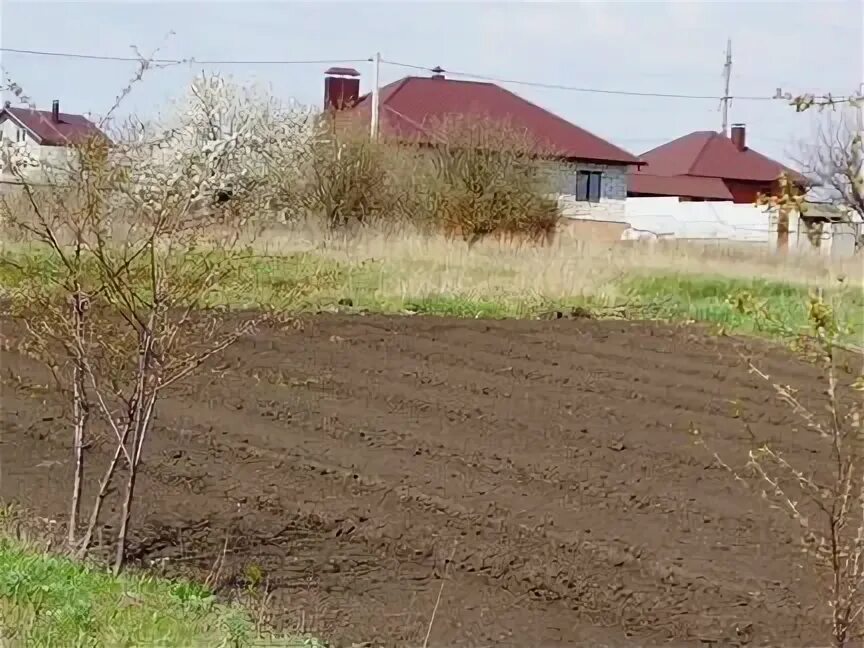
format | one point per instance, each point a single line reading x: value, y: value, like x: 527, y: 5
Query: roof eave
x: 665, y: 194
x: 606, y: 161
x: 794, y: 176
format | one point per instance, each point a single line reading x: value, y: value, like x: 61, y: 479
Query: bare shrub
x: 346, y: 179
x: 826, y: 502
x: 484, y: 177
x: 835, y: 160
x: 833, y: 163
x: 480, y: 178
x: 121, y: 316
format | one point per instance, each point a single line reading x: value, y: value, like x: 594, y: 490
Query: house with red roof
x: 708, y: 166
x: 46, y: 134
x: 593, y: 178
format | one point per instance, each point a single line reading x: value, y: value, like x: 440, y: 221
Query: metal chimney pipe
x: 55, y: 111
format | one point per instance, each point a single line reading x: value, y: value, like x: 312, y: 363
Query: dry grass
x: 422, y: 264
x: 403, y: 269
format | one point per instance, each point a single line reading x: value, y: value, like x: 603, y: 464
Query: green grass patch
x: 47, y: 600
x: 465, y: 306
x: 753, y: 306
x: 299, y: 281
x: 290, y: 282
x: 308, y: 281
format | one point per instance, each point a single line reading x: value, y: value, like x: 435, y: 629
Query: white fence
x: 669, y: 218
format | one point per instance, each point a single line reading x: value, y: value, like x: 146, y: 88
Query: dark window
x: 588, y: 186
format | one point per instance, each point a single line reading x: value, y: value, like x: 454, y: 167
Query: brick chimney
x: 341, y: 88
x: 739, y: 136
x: 55, y: 111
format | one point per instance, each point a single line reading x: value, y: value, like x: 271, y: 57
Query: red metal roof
x: 409, y: 106
x: 71, y: 129
x: 679, y: 185
x: 712, y: 155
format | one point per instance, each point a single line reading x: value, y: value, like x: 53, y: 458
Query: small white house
x: 44, y: 134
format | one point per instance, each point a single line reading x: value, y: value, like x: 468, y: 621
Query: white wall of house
x: 10, y: 131
x: 46, y: 156
x: 613, y: 192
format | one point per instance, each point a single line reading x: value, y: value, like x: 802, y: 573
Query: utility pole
x: 727, y: 75
x: 376, y: 92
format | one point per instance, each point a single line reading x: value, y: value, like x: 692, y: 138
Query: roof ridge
x: 449, y: 80
x: 746, y: 151
x: 771, y: 160
x: 679, y: 139
x: 396, y: 85
x: 644, y: 153
x: 49, y: 123
x: 42, y: 112
x: 636, y: 158
x: 400, y: 84
x: 417, y: 125
x: 702, y: 150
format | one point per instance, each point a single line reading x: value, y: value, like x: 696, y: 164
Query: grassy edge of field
x: 309, y: 281
x: 752, y: 306
x: 49, y: 599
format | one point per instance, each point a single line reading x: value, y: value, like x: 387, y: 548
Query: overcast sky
x: 664, y: 47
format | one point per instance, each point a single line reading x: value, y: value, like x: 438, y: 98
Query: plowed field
x: 542, y: 471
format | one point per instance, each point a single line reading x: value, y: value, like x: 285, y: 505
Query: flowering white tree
x: 138, y: 234
x: 256, y: 143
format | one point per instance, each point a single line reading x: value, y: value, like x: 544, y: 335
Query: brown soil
x: 541, y: 471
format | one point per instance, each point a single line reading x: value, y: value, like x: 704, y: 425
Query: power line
x: 134, y: 59
x: 631, y: 93
x: 557, y: 86
x: 469, y: 75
